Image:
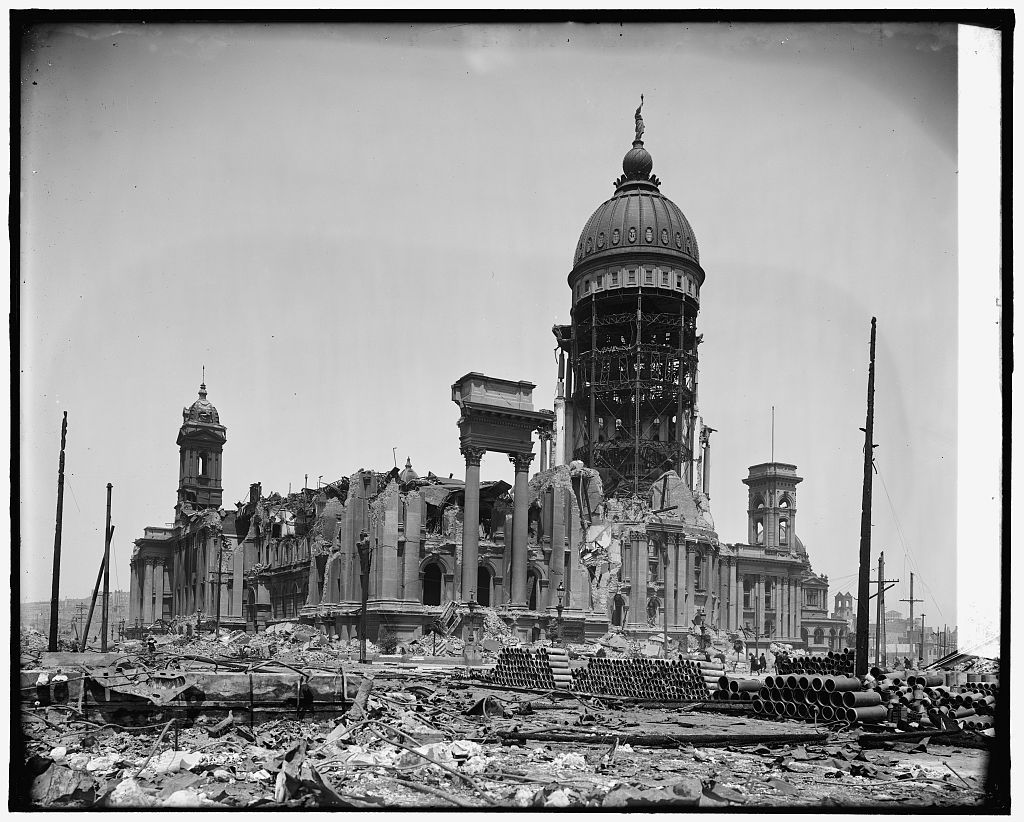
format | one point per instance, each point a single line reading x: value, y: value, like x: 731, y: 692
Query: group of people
x: 758, y: 664
x: 51, y: 690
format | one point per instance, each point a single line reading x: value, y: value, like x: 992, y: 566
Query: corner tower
x: 201, y: 441
x: 771, y: 508
x: 631, y: 381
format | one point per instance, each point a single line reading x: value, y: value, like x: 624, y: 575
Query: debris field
x: 188, y: 727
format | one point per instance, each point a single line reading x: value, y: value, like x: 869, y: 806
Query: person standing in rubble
x: 60, y: 687
x: 43, y: 689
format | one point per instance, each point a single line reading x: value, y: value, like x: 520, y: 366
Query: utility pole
x: 922, y: 639
x: 55, y: 588
x: 864, y: 580
x: 880, y: 611
x: 910, y: 633
x: 106, y: 576
x: 365, y: 556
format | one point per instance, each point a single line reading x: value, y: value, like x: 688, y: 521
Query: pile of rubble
x: 411, y: 741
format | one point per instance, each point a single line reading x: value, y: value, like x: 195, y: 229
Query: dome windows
x: 649, y: 234
x: 664, y: 236
x: 615, y: 237
x: 632, y: 234
x: 600, y: 240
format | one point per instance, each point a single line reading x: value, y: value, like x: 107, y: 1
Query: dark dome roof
x: 407, y: 474
x: 202, y: 410
x: 638, y: 216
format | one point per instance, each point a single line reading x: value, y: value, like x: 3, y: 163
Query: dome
x: 202, y: 410
x: 638, y: 216
x: 407, y: 475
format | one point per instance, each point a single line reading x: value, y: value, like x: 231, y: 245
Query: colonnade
x: 471, y: 526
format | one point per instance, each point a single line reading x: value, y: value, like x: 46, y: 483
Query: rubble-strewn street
x: 432, y: 732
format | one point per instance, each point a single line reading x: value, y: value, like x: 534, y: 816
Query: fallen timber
x: 656, y: 740
x: 128, y: 693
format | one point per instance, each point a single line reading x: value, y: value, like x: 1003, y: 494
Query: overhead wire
x: 907, y: 550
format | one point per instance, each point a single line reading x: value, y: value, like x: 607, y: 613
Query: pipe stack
x: 814, y: 698
x: 676, y: 680
x: 831, y: 664
x: 925, y: 698
x: 523, y: 668
x: 557, y: 660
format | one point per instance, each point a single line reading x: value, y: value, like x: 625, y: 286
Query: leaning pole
x: 864, y: 582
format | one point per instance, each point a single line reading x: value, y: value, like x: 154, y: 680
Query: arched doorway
x: 250, y: 605
x: 819, y: 636
x: 483, y: 585
x: 618, y: 606
x: 532, y: 585
x: 432, y: 585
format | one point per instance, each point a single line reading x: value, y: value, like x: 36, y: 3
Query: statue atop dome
x: 639, y: 121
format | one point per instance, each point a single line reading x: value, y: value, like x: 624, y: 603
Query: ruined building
x: 614, y: 524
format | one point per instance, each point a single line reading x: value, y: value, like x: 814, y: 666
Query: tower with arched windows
x: 771, y: 510
x: 201, y: 441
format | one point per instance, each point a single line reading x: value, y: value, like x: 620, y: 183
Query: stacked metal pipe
x: 557, y: 660
x: 642, y: 678
x: 925, y: 698
x: 834, y: 663
x: 814, y: 698
x: 523, y: 668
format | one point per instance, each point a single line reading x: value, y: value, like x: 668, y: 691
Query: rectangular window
x: 652, y: 570
x: 664, y: 279
x: 598, y: 281
x: 679, y: 280
x: 631, y: 275
x: 586, y: 286
x: 648, y: 276
x: 615, y: 278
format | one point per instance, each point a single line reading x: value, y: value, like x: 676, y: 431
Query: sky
x: 340, y: 221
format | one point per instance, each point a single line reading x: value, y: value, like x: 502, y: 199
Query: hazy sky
x: 339, y: 221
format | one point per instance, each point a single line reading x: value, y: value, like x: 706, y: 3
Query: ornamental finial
x: 639, y: 121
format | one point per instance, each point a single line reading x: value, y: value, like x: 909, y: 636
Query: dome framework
x: 631, y: 382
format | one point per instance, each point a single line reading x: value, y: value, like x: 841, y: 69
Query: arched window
x: 783, y: 532
x: 758, y: 532
x: 769, y: 590
x: 432, y: 584
x: 758, y: 503
x: 819, y: 636
x: 748, y: 594
x: 204, y: 464
x: 532, y: 586
x: 483, y: 585
x: 618, y: 611
x: 784, y: 502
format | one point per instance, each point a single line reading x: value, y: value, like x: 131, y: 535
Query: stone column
x: 688, y: 563
x: 520, y: 528
x: 667, y: 574
x: 733, y: 595
x: 133, y: 594
x: 147, y: 592
x: 471, y: 522
x: 759, y: 607
x: 556, y: 571
x: 637, y: 585
x: 411, y: 569
x: 799, y: 609
x: 158, y: 590
x: 389, y: 579
x: 238, y: 583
